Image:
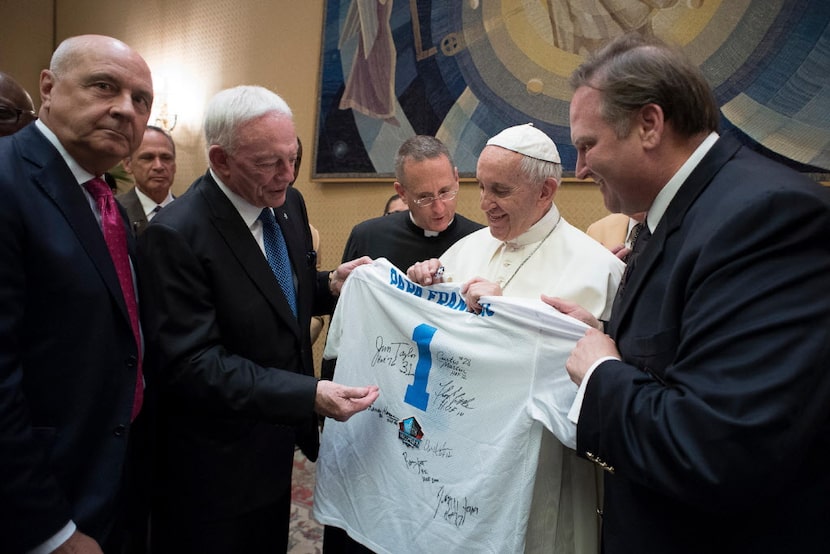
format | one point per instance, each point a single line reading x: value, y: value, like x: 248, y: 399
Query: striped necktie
x: 640, y: 242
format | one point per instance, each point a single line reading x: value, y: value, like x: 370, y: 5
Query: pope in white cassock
x: 528, y: 250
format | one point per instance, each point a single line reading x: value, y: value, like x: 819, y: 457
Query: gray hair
x: 537, y: 171
x: 233, y: 107
x: 418, y: 149
x: 633, y: 71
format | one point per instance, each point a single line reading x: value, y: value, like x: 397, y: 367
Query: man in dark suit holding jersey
x: 708, y: 402
x: 234, y: 285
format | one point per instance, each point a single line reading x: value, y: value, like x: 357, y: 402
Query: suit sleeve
x: 351, y: 250
x: 32, y: 505
x: 739, y: 376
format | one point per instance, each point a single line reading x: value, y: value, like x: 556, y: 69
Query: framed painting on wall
x: 464, y: 70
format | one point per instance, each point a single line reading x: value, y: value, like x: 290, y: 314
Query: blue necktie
x: 277, y: 254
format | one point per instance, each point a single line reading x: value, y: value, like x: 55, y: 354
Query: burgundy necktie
x: 116, y: 238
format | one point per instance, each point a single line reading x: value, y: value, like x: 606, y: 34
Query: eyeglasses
x: 425, y: 201
x: 11, y: 115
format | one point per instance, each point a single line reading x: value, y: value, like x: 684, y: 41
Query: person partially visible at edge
x: 394, y: 204
x: 617, y: 232
x: 706, y: 400
x: 16, y: 107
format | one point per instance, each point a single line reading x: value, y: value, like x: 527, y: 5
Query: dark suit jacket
x: 67, y: 353
x: 135, y: 211
x: 717, y: 422
x: 396, y: 238
x: 234, y: 365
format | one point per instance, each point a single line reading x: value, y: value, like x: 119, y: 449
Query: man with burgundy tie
x: 71, y: 382
x: 233, y: 286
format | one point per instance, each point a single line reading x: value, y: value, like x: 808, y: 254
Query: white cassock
x: 557, y: 259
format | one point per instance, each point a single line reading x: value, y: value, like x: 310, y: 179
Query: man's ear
x: 549, y: 188
x: 47, y: 82
x: 650, y: 122
x: 400, y: 190
x: 219, y: 160
x: 127, y: 163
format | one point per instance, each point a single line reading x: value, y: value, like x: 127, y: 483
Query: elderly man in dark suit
x: 708, y: 402
x: 153, y: 167
x: 70, y: 354
x: 234, y: 285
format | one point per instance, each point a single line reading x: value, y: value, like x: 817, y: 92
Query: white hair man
x: 230, y: 293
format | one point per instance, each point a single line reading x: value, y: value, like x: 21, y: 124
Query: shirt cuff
x: 576, y: 407
x: 56, y: 540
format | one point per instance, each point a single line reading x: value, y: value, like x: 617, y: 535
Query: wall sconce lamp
x: 164, y: 119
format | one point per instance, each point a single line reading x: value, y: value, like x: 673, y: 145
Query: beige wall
x: 198, y: 47
x: 26, y: 41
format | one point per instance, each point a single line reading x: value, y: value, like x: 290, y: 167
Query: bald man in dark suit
x: 70, y: 352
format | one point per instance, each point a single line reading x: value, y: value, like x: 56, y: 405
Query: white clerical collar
x: 537, y: 231
x: 668, y: 192
x: 80, y: 174
x: 427, y: 232
x: 248, y: 211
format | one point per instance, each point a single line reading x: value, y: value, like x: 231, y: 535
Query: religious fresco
x: 463, y: 70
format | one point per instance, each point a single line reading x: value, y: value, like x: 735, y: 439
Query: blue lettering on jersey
x: 397, y: 280
x: 449, y: 299
x: 452, y: 300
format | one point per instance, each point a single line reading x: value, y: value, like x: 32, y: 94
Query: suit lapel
x: 242, y: 245
x: 57, y: 182
x: 135, y: 211
x: 723, y: 150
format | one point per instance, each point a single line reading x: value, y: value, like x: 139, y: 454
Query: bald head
x: 16, y: 107
x: 96, y: 98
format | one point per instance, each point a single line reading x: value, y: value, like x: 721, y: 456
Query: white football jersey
x: 445, y: 459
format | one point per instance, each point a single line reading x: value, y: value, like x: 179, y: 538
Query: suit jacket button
x: 120, y: 430
x: 131, y: 362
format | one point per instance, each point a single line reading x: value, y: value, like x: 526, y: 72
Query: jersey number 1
x: 416, y: 393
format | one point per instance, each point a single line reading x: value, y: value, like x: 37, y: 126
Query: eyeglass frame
x: 19, y: 112
x: 425, y: 201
